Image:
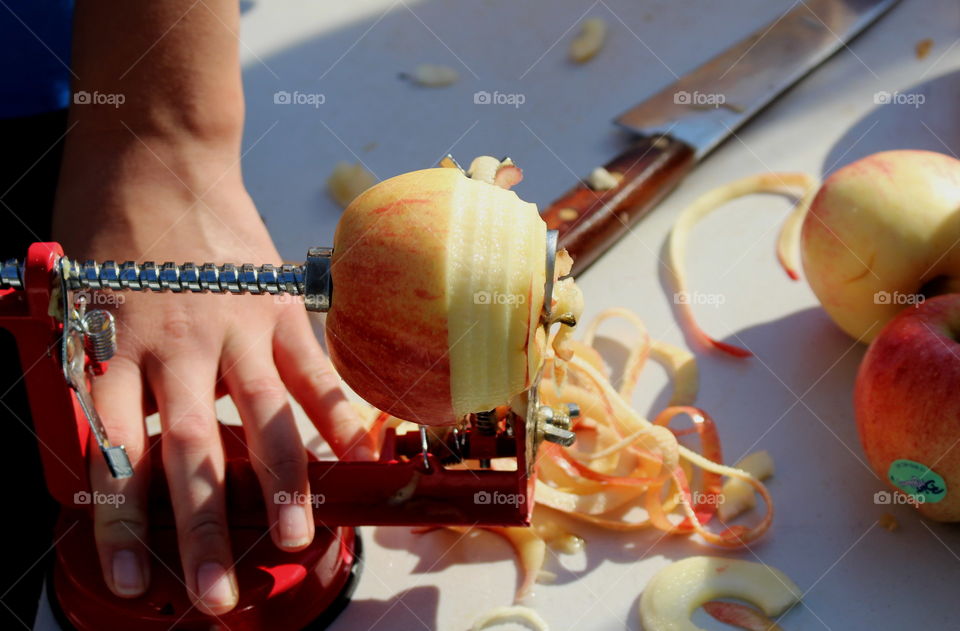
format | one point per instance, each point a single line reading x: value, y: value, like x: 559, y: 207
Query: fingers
x: 276, y: 450
x: 120, y: 506
x: 316, y: 386
x: 194, y: 463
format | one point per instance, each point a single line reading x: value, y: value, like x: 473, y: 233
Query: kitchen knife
x: 682, y: 123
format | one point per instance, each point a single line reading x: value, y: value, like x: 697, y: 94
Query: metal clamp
x: 94, y: 332
x: 553, y: 424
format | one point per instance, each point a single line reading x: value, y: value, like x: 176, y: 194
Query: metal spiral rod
x: 311, y: 279
x: 228, y: 278
x: 149, y: 276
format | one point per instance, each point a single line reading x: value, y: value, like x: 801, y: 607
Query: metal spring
x: 487, y: 422
x: 99, y: 335
x: 486, y: 425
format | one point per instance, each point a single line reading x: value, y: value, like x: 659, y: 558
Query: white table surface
x: 793, y: 399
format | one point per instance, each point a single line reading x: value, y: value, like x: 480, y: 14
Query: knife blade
x: 681, y: 124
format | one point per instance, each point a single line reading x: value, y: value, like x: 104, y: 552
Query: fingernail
x: 215, y: 587
x: 294, y: 528
x: 127, y: 574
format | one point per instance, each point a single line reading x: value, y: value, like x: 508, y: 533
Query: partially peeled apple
x: 438, y: 290
x: 881, y: 234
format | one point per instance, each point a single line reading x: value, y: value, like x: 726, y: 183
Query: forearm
x: 164, y: 118
x: 175, y: 62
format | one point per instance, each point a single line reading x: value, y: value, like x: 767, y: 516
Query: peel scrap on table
x: 800, y: 185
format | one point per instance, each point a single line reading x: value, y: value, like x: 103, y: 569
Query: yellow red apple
x: 879, y: 232
x: 438, y: 287
x: 907, y: 402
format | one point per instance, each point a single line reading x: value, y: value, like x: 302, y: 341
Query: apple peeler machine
x: 63, y: 344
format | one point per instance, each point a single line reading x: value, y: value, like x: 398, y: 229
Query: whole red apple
x: 907, y: 402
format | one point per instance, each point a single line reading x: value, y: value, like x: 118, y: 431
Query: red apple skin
x: 386, y: 331
x: 907, y: 397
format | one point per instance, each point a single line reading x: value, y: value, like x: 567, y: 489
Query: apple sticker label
x: 918, y: 481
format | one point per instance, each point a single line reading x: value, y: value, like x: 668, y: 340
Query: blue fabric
x: 34, y: 56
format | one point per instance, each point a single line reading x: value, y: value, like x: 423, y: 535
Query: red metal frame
x: 279, y: 590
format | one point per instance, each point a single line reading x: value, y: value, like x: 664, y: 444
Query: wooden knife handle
x: 591, y: 221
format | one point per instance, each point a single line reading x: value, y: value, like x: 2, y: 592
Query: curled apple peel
x: 633, y: 463
x: 738, y: 496
x: 633, y: 474
x: 677, y: 590
x: 742, y: 616
x: 799, y: 184
x: 529, y: 547
x: 517, y: 613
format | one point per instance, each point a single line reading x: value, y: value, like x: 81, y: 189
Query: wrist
x: 131, y: 194
x: 216, y: 121
x: 122, y: 172
x: 143, y: 223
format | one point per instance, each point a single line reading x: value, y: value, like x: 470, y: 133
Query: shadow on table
x: 414, y: 608
x: 921, y: 117
x: 440, y: 549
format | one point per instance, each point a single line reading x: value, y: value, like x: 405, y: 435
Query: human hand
x: 178, y: 351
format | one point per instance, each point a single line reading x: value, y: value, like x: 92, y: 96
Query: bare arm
x: 151, y: 171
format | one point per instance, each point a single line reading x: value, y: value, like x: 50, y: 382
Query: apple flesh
x: 879, y: 232
x: 907, y: 398
x: 438, y: 287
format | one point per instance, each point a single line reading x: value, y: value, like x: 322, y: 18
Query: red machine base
x: 281, y: 591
